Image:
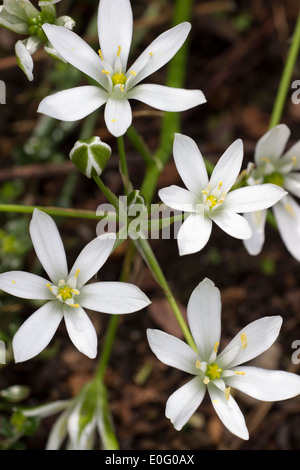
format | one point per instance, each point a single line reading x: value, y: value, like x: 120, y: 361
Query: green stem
x: 54, y: 211
x: 286, y: 77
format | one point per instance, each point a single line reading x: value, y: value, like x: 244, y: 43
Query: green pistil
x: 213, y: 371
x: 274, y: 178
x: 213, y: 201
x: 35, y: 25
x: 65, y: 293
x: 119, y: 79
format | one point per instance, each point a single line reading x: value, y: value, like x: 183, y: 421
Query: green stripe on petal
x: 90, y: 156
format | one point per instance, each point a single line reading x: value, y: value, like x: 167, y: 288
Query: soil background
x: 237, y: 51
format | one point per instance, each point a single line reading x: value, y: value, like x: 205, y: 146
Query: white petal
x: 48, y: 246
x: 228, y: 167
x: 179, y: 198
x: 193, y: 234
x: 204, y: 316
x: 234, y: 224
x: 166, y: 98
x: 160, y: 51
x: 59, y: 432
x: 118, y: 116
x: 228, y: 412
x: 287, y: 214
x: 113, y: 297
x: 172, y: 351
x: 292, y: 153
x: 253, y: 340
x: 271, y: 145
x: 25, y: 285
x: 292, y: 183
x: 73, y: 104
x: 257, y: 221
x: 266, y: 385
x: 91, y: 259
x: 37, y: 331
x: 190, y: 163
x: 254, y: 198
x: 24, y: 59
x: 75, y: 51
x: 183, y: 403
x: 115, y: 25
x: 81, y: 330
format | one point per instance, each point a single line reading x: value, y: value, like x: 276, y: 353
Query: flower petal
x: 287, y: 215
x: 115, y: 24
x: 257, y: 221
x: 160, y: 51
x: 24, y: 59
x: 272, y: 144
x: 73, y: 104
x: 172, y: 351
x: 194, y: 234
x: 266, y: 385
x: 179, y: 198
x: 166, y: 98
x: 25, y: 285
x: 204, y: 316
x: 253, y: 198
x: 228, y: 412
x: 75, y: 51
x: 48, y: 246
x: 91, y: 259
x: 228, y: 167
x: 190, y: 164
x: 234, y: 224
x: 118, y: 116
x: 253, y: 340
x: 292, y: 183
x: 293, y: 154
x: 183, y: 403
x: 37, y: 331
x: 81, y: 330
x: 113, y: 297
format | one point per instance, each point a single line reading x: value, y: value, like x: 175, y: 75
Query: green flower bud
x: 90, y: 156
x: 135, y: 198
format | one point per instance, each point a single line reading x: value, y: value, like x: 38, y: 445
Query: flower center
x: 213, y: 371
x: 119, y: 79
x: 35, y: 25
x: 274, y: 178
x: 211, y: 201
x: 213, y: 197
x: 65, y: 292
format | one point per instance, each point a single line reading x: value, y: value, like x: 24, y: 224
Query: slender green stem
x: 285, y: 81
x: 140, y: 145
x: 110, y: 196
x: 54, y: 211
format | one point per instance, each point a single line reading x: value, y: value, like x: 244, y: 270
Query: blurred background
x: 237, y: 50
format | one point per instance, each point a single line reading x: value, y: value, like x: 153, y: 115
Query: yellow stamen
x: 204, y: 191
x: 238, y: 372
x: 227, y: 393
x: 294, y: 160
x: 215, y: 401
x: 216, y: 347
x: 119, y: 51
x: 13, y: 282
x: 74, y: 305
x: 133, y: 73
x: 289, y: 209
x: 220, y: 185
x: 100, y: 54
x: 267, y: 160
x: 49, y: 287
x: 77, y: 273
x: 113, y: 120
x: 75, y: 291
x: 122, y: 88
x: 244, y: 342
x: 198, y: 364
x: 206, y: 380
x: 151, y: 54
x: 106, y: 72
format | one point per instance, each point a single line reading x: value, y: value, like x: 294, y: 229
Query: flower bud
x: 90, y: 156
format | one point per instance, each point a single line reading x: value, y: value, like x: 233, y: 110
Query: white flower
x: 272, y: 165
x: 218, y: 373
x: 209, y: 201
x: 115, y: 83
x: 21, y: 17
x: 66, y: 292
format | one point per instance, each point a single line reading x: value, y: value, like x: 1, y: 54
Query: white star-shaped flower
x: 218, y: 373
x: 210, y: 200
x: 281, y: 168
x: 67, y: 293
x: 116, y: 84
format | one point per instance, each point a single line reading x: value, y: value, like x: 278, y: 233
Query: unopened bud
x: 90, y: 156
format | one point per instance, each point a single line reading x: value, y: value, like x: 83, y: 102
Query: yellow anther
x: 227, y: 393
x: 151, y: 54
x: 289, y: 209
x: 198, y: 364
x: 75, y: 291
x: 133, y: 73
x: 212, y: 200
x: 238, y: 372
x: 49, y: 286
x: 294, y: 160
x: 216, y: 347
x: 122, y: 88
x: 220, y: 185
x: 206, y: 380
x: 100, y: 54
x: 119, y: 51
x: 244, y: 341
x: 106, y: 72
x: 267, y: 160
x: 75, y: 305
x: 215, y: 401
x: 204, y: 191
x: 113, y: 120
x: 77, y: 273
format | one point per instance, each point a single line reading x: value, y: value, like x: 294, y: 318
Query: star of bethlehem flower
x: 209, y: 200
x: 116, y: 84
x: 274, y: 165
x: 22, y: 17
x: 67, y: 292
x: 217, y: 372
